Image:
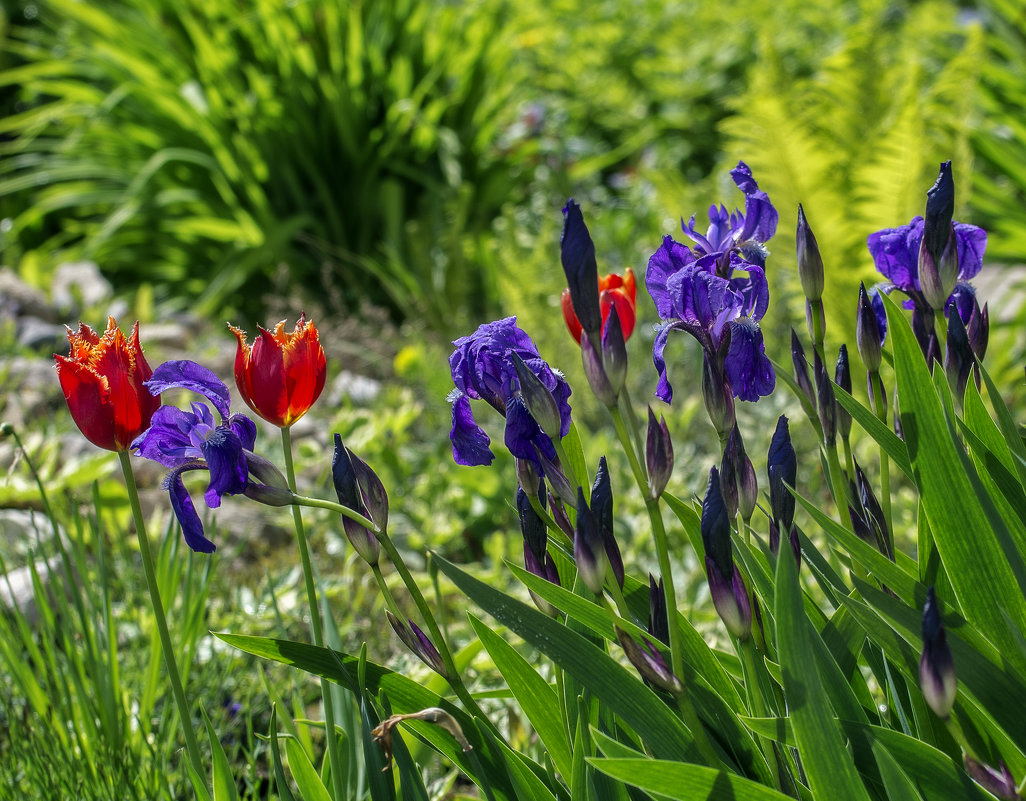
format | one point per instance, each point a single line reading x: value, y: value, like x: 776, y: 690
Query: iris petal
x: 469, y: 440
x: 227, y: 464
x: 185, y: 374
x: 185, y: 511
x: 748, y: 369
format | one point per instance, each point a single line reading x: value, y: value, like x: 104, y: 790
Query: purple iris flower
x: 717, y: 291
x: 193, y: 440
x: 736, y: 232
x: 482, y: 368
x: 896, y: 254
x: 717, y: 310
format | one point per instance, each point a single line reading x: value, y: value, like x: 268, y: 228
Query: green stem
x: 628, y: 447
x: 161, y: 620
x: 331, y: 738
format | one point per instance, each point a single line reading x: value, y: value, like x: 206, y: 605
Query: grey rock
x: 79, y: 285
x: 18, y: 298
x: 42, y: 336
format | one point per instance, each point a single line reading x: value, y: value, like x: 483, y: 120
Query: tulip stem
x: 331, y: 741
x: 177, y: 690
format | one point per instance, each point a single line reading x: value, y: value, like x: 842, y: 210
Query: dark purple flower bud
x: 716, y: 526
x: 869, y: 336
x: 958, y: 357
x: 614, y: 351
x: 801, y: 368
x: 978, y: 329
x: 658, y: 454
x: 538, y: 398
x: 810, y: 263
x: 658, y: 619
x: 730, y: 597
x: 589, y: 549
x: 533, y: 528
x: 873, y: 512
x: 346, y: 477
x: 938, y: 253
x: 842, y: 377
x: 577, y: 253
x: 998, y: 782
x: 596, y: 374
x: 650, y: 663
x: 936, y: 667
x: 716, y: 392
x: 747, y: 489
x: 560, y: 517
x: 795, y: 543
x: 782, y: 466
x: 418, y: 642
x: 602, y: 511
x: 825, y: 399
x: 536, y: 557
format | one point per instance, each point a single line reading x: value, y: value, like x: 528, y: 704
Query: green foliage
x: 230, y: 153
x: 1000, y: 139
x: 857, y: 138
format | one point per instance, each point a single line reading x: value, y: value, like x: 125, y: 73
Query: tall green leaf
x: 828, y: 766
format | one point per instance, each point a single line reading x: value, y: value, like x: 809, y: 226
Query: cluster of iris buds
x: 714, y: 290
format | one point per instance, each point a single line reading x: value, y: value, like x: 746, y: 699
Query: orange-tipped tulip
x: 281, y: 375
x: 102, y: 381
x: 614, y: 290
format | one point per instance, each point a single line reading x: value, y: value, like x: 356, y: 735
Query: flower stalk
x: 170, y: 663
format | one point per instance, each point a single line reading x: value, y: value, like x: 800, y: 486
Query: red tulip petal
x: 87, y: 395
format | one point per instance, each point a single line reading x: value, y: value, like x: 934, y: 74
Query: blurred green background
x: 414, y: 154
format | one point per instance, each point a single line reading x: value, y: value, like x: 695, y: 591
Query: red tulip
x: 282, y: 375
x: 613, y: 290
x: 102, y: 381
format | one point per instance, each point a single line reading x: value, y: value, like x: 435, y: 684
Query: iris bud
x: 842, y: 377
x: 727, y: 588
x: 346, y: 477
x: 978, y: 329
x: 589, y: 549
x: 810, y: 263
x: 536, y: 556
x: 537, y: 398
x: 577, y: 253
x: 825, y: 397
x: 650, y: 663
x: 938, y: 253
x: 999, y: 782
x: 658, y: 454
x: 936, y: 667
x: 801, y: 368
x: 868, y: 336
x: 958, y: 357
x: 658, y: 619
x: 614, y: 351
x: 782, y: 466
x: 418, y: 642
x: 596, y: 374
x: 602, y: 510
x: 728, y: 475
